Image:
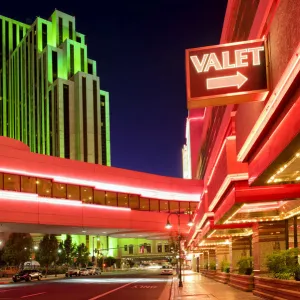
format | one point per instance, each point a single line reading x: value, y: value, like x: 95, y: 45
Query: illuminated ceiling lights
x: 274, y: 178
x: 280, y: 90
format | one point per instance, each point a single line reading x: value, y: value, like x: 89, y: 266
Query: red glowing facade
x: 248, y: 154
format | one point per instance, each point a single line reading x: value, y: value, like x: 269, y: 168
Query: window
x: 174, y: 206
x: 122, y: 200
x: 70, y: 30
x: 12, y: 182
x: 164, y: 205
x: 184, y: 206
x: 54, y: 65
x: 154, y: 205
x: 125, y: 247
x: 111, y: 199
x: 99, y: 197
x: 1, y: 181
x: 90, y: 68
x: 71, y: 60
x: 159, y: 248
x: 51, y: 122
x: 21, y: 33
x: 78, y: 39
x: 134, y: 202
x: 28, y: 184
x: 144, y: 203
x: 66, y: 120
x: 60, y: 31
x: 59, y: 190
x: 130, y: 249
x: 82, y: 59
x: 86, y: 194
x: 44, y: 187
x: 148, y: 248
x: 73, y: 192
x: 95, y: 102
x: 44, y: 35
x: 84, y: 112
x: 142, y: 248
x: 14, y: 36
x: 167, y: 248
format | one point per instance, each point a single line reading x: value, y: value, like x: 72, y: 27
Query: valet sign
x: 226, y: 74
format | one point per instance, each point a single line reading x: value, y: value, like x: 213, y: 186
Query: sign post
x: 226, y: 74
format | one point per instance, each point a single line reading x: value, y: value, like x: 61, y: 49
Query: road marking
x: 144, y: 287
x: 107, y: 293
x: 32, y: 295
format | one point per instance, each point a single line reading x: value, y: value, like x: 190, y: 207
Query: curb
x: 43, y: 279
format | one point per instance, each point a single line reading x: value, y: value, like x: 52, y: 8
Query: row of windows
x: 146, y: 248
x: 48, y: 188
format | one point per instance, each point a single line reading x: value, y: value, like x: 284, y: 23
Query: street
x: 145, y: 285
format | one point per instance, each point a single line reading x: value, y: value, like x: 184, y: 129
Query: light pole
x: 168, y: 226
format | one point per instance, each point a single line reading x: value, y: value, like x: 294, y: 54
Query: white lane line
x: 107, y: 293
x: 32, y: 295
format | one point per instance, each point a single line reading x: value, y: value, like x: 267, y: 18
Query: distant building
x: 50, y: 95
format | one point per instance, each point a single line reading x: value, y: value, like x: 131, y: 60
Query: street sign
x: 226, y: 74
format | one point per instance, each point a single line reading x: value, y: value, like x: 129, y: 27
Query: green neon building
x: 50, y: 94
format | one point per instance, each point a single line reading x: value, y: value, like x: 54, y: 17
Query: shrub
x: 225, y: 266
x: 284, y: 264
x: 245, y: 266
x: 212, y: 266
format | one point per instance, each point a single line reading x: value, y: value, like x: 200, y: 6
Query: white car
x: 72, y: 272
x: 166, y: 270
x: 94, y: 271
x: 84, y: 272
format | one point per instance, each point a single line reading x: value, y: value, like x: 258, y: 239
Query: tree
x: 69, y: 249
x: 17, y: 249
x: 82, y: 254
x: 61, y: 254
x: 109, y: 261
x: 48, y: 250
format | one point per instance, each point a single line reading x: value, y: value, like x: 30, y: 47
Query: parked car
x: 166, y: 270
x: 27, y: 275
x: 72, y: 272
x: 94, y: 271
x: 84, y: 272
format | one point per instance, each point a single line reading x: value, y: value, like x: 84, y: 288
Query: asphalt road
x: 141, y: 285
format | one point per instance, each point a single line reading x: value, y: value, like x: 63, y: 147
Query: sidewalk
x: 197, y: 287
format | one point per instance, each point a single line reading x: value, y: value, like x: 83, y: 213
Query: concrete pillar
x: 256, y: 249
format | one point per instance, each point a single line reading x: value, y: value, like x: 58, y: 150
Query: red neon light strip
x: 18, y: 196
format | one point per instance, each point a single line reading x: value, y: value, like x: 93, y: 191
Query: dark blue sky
x: 139, y: 48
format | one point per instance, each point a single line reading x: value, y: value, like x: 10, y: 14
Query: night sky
x: 139, y: 48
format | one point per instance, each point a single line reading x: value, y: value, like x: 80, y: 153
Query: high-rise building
x: 50, y: 93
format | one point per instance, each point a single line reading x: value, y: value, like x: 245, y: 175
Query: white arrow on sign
x: 226, y: 81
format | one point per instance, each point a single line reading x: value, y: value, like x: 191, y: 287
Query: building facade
x: 50, y: 92
x: 247, y: 155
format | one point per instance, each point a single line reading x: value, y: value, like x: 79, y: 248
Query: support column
x: 256, y: 249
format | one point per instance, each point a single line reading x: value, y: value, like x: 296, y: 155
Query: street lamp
x: 168, y: 226
x: 36, y: 247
